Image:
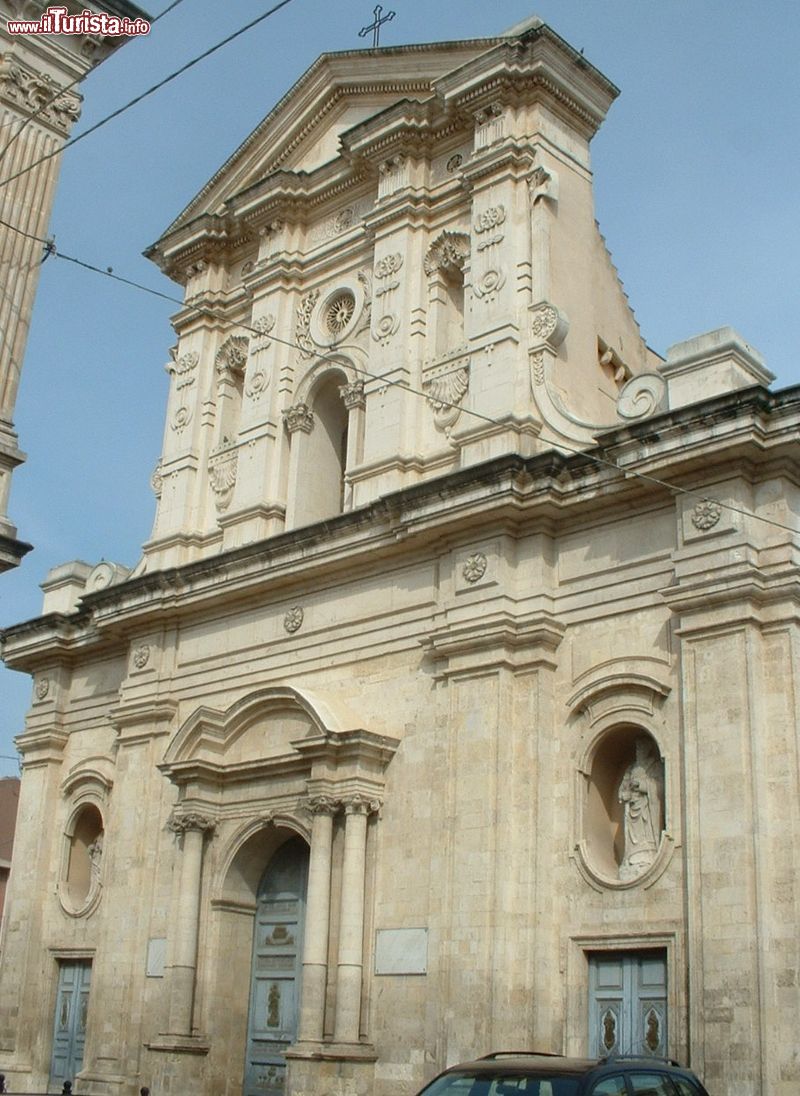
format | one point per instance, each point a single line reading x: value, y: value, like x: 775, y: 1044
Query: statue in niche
x: 640, y: 793
x: 95, y: 851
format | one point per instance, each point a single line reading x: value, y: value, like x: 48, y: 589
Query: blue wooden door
x: 69, y: 1030
x: 277, y: 959
x: 628, y: 1003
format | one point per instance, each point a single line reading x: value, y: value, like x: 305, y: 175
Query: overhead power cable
x: 594, y: 458
x: 43, y: 106
x: 150, y: 91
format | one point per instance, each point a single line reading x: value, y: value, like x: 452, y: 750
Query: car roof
x: 525, y: 1061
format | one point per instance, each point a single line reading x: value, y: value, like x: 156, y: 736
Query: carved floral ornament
x: 298, y: 417
x: 474, y: 567
x: 293, y: 619
x: 389, y: 322
x: 35, y: 93
x: 232, y: 355
x: 355, y: 803
x: 548, y: 324
x: 179, y: 822
x: 353, y: 395
x: 448, y: 252
x: 706, y: 514
x: 183, y: 367
x: 157, y: 480
x: 445, y: 389
x: 489, y: 229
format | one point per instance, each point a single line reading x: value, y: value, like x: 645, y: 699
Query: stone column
x: 318, y: 906
x: 192, y: 829
x: 351, y: 922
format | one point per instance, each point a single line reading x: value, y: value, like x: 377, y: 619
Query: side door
x: 628, y: 1003
x: 69, y: 1027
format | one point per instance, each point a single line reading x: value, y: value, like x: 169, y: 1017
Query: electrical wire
x: 145, y: 94
x: 67, y: 87
x: 382, y: 379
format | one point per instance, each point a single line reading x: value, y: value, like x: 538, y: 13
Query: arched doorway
x: 276, y: 968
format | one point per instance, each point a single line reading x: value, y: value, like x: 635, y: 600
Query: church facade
x: 452, y: 707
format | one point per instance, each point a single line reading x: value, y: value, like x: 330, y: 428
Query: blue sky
x: 696, y: 189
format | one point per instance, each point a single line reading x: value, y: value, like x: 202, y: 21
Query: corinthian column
x: 351, y: 925
x: 318, y: 907
x: 191, y: 829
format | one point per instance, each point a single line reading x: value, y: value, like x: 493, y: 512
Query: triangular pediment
x: 340, y: 90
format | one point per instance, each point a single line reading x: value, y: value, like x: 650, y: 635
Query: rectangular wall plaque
x: 401, y: 951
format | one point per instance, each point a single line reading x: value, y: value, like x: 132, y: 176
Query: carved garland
x: 488, y: 226
x: 389, y: 322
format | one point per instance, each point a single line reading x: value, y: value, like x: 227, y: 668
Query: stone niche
x: 624, y: 816
x: 80, y: 883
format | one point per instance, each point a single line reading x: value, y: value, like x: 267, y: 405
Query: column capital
x: 322, y: 804
x: 360, y: 804
x: 181, y: 821
x: 299, y: 417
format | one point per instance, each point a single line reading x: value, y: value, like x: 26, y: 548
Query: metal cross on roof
x: 376, y: 26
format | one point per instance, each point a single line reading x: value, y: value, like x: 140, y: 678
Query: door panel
x: 628, y: 1003
x: 277, y: 961
x: 69, y: 1031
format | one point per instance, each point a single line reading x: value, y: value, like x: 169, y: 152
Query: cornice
x: 550, y: 490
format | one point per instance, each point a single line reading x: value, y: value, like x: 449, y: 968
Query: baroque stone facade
x: 38, y: 108
x: 452, y: 705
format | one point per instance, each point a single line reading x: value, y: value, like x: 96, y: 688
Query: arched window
x: 319, y: 451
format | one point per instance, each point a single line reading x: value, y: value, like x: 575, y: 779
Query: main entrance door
x: 277, y: 958
x: 628, y: 1003
x: 69, y: 1032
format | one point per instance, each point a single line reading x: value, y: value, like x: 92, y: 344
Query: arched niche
x: 319, y: 482
x: 80, y: 884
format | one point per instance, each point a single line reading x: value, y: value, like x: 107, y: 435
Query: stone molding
x: 27, y: 91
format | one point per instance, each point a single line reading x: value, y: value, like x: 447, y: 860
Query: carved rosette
x: 34, y: 93
x: 258, y: 376
x: 474, y: 567
x: 302, y: 331
x: 293, y: 619
x: 548, y: 324
x: 706, y: 514
x: 179, y: 822
x: 448, y: 253
x: 353, y: 395
x: 299, y: 417
x: 387, y: 283
x: 491, y: 277
x: 223, y: 464
x: 141, y: 656
x: 445, y: 388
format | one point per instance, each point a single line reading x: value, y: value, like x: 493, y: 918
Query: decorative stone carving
x: 42, y: 687
x: 157, y: 480
x: 706, y: 514
x: 223, y: 464
x: 448, y: 253
x: 232, y: 355
x: 445, y: 387
x: 183, y: 368
x: 488, y: 226
x: 141, y: 656
x: 489, y: 126
x: 642, y: 396
x: 474, y: 567
x: 293, y: 619
x: 322, y: 804
x: 389, y: 322
x: 543, y: 184
x: 353, y: 395
x: 34, y: 93
x: 181, y: 419
x: 258, y: 377
x: 263, y: 326
x: 360, y: 804
x: 303, y: 325
x: 392, y: 175
x: 537, y: 367
x: 95, y: 851
x: 640, y: 793
x: 180, y: 821
x: 548, y: 324
x: 299, y: 417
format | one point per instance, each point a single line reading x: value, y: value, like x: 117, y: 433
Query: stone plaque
x: 156, y: 957
x: 401, y: 951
